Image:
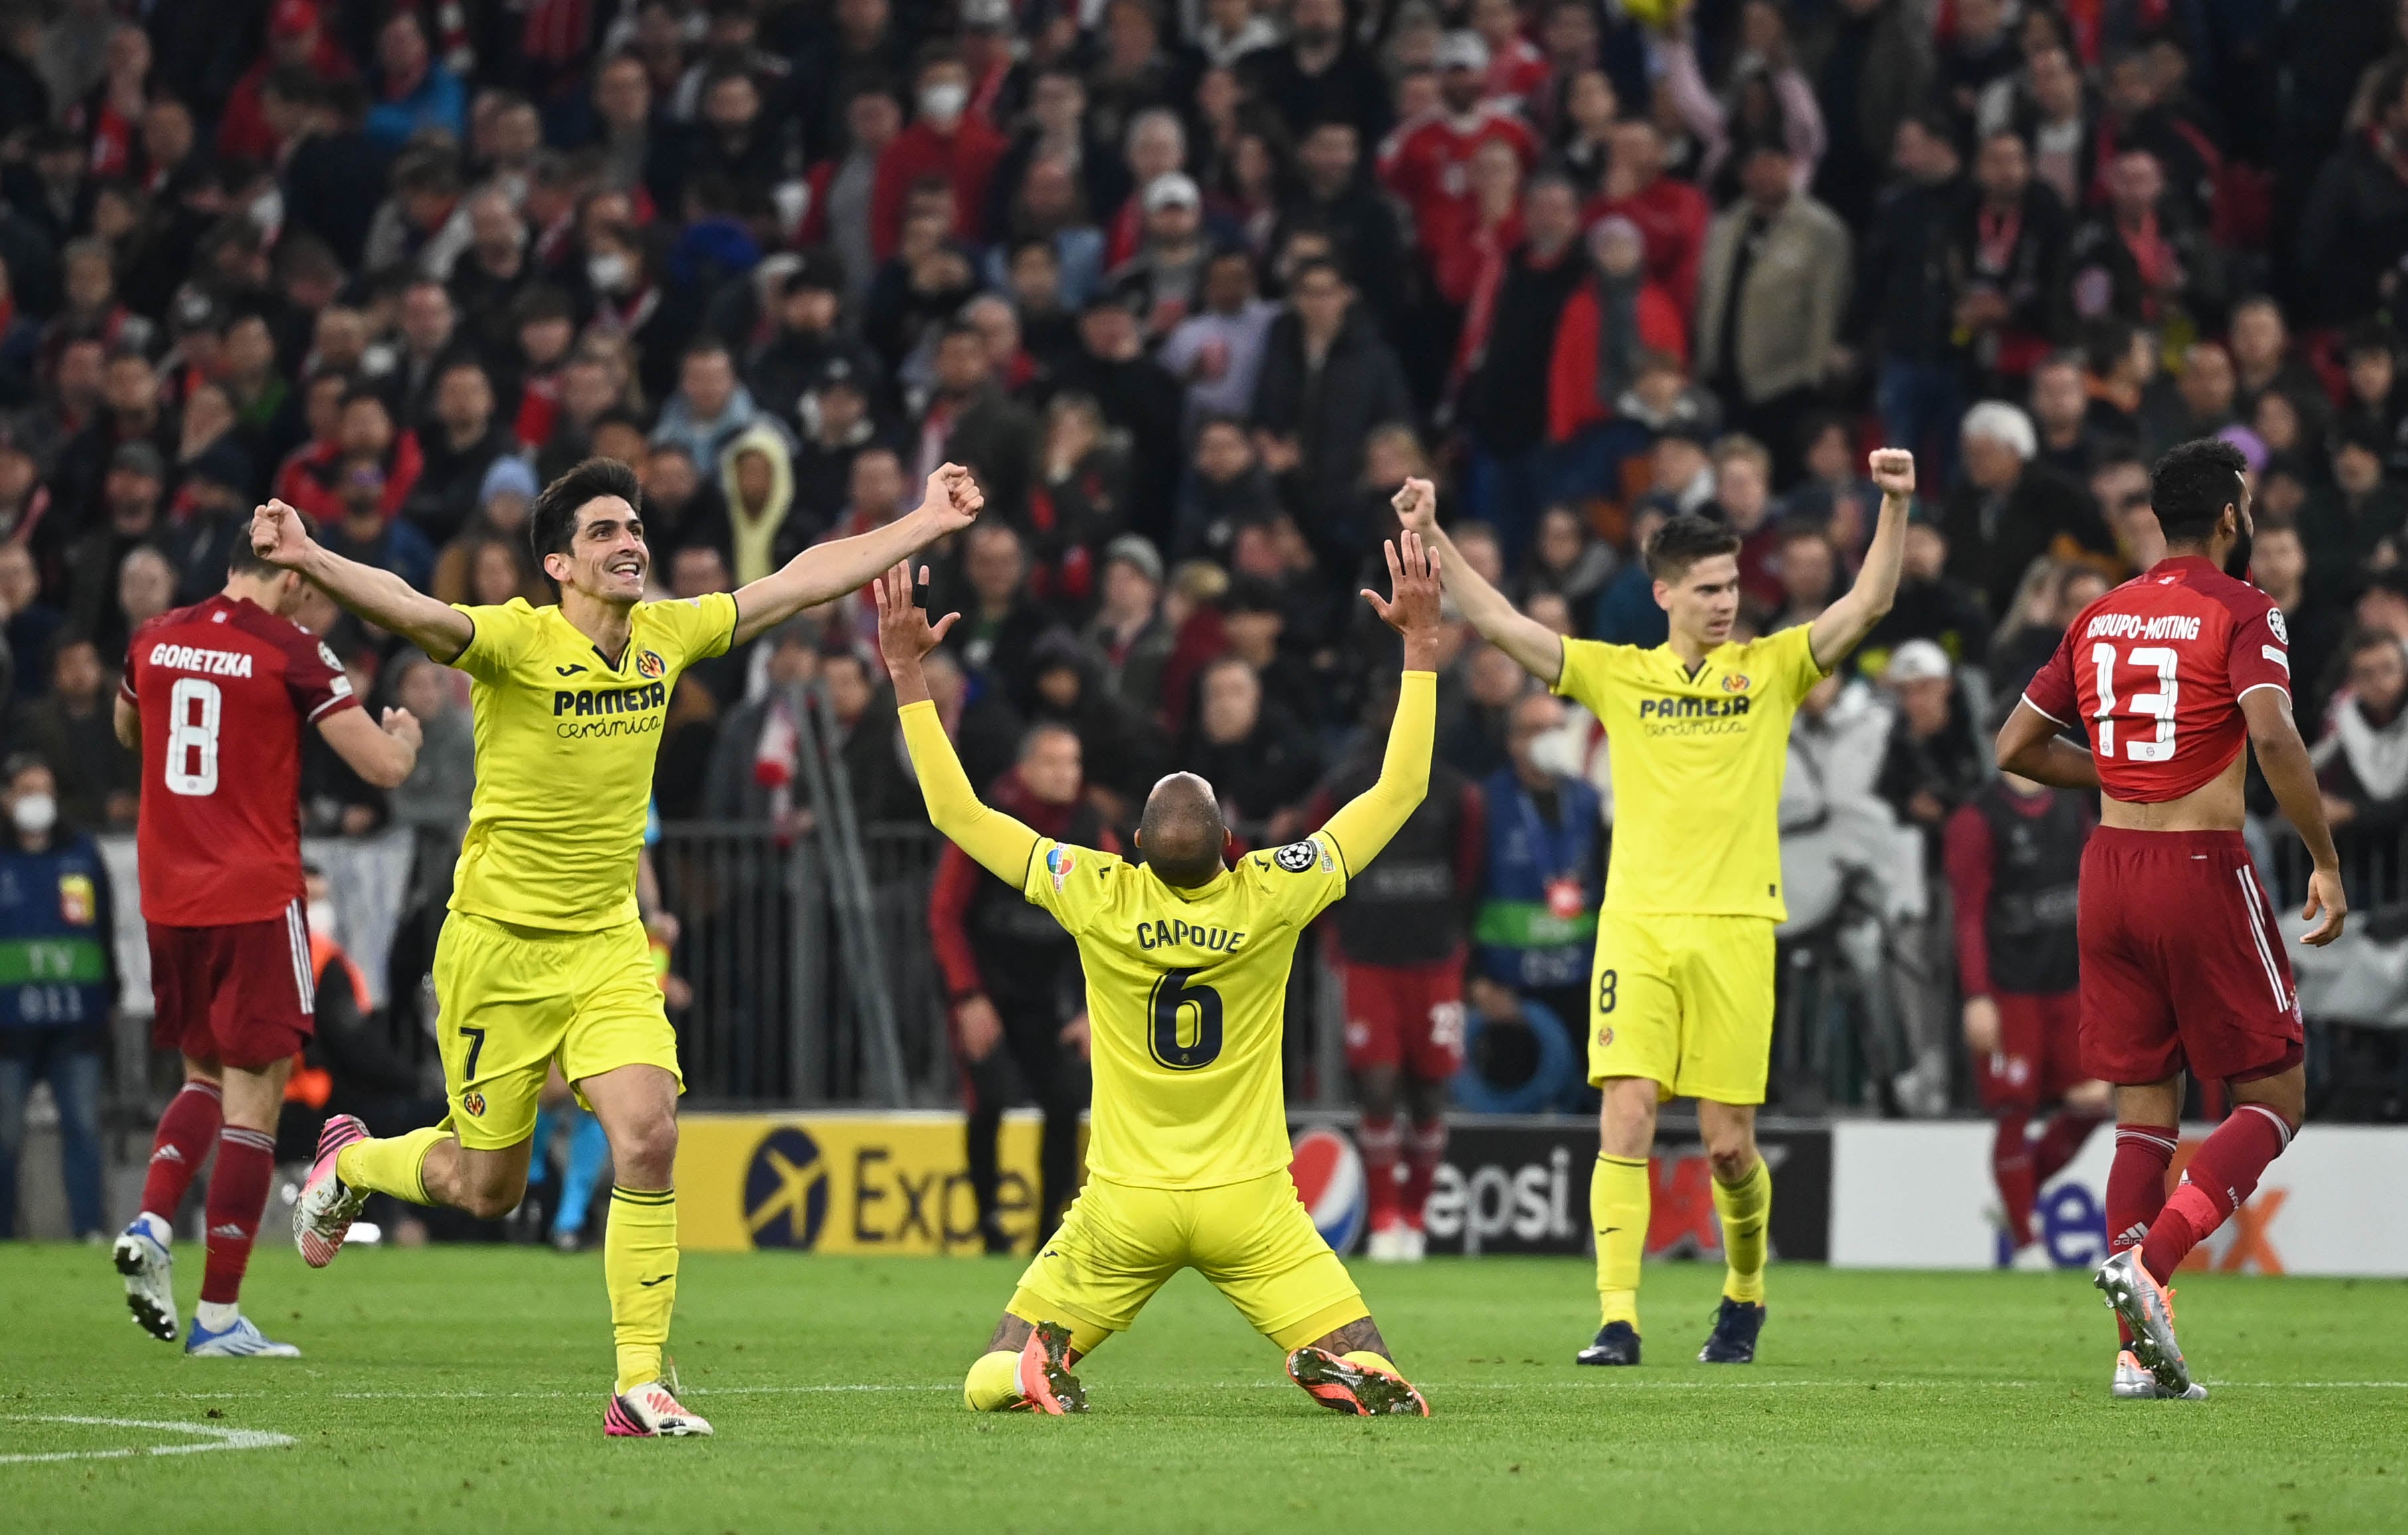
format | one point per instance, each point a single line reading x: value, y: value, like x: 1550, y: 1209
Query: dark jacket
x: 1993, y: 540
x: 2351, y: 234
x: 1905, y: 298
x: 1506, y: 402
x: 1329, y: 410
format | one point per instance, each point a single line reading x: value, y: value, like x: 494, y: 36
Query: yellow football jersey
x: 565, y: 741
x: 1698, y: 761
x: 1186, y: 994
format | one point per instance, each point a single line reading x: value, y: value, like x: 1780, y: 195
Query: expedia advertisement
x: 1521, y: 1185
x: 839, y: 1183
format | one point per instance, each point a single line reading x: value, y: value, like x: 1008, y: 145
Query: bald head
x: 1181, y: 834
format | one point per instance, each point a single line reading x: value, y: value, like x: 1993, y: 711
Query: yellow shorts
x: 1685, y: 1001
x: 1254, y: 1240
x: 512, y: 998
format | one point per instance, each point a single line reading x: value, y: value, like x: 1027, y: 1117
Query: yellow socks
x: 391, y: 1165
x: 1745, y: 1207
x: 994, y: 1382
x: 639, y: 1265
x: 1617, y: 1210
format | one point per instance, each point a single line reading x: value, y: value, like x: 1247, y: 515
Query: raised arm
x: 278, y: 536
x: 1537, y: 648
x: 2283, y: 757
x: 1001, y: 844
x: 831, y: 569
x: 1844, y: 624
x: 1364, y: 824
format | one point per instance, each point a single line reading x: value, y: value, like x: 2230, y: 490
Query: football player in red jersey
x: 2183, y: 965
x: 216, y: 697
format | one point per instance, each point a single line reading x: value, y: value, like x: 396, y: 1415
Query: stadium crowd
x: 1192, y: 287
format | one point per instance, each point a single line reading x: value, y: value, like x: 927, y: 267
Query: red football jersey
x: 226, y: 688
x: 1428, y: 163
x: 2154, y: 672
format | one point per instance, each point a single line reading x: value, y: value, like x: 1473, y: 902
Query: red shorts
x: 1408, y: 1014
x: 2040, y: 1053
x: 2183, y: 965
x: 239, y: 994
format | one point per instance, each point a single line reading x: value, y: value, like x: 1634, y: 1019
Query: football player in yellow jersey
x: 544, y: 956
x: 1681, y: 988
x: 1187, y: 959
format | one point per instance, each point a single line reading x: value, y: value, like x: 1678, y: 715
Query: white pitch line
x: 214, y: 1438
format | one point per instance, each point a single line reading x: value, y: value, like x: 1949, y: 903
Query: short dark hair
x: 2191, y: 487
x: 243, y: 561
x: 1685, y: 538
x: 552, y: 522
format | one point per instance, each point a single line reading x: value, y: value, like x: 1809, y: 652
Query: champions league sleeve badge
x: 1297, y: 856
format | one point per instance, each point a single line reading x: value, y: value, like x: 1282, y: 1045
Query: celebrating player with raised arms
x: 1681, y: 992
x: 1186, y: 959
x: 2183, y: 965
x: 543, y: 956
x: 215, y: 696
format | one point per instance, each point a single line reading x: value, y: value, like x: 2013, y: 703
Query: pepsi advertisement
x: 1520, y: 1185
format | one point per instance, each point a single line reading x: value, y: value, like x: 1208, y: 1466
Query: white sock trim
x: 2281, y: 1125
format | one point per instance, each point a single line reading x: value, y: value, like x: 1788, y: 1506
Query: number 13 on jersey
x: 2142, y: 708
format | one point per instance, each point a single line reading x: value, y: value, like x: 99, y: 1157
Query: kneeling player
x: 2183, y: 965
x: 2015, y: 856
x: 1186, y: 960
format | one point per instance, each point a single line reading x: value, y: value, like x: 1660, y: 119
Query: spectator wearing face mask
x: 53, y: 890
x: 944, y: 141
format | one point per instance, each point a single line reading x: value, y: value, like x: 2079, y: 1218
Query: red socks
x: 2218, y: 1181
x: 2059, y: 1144
x: 1427, y: 1149
x: 1382, y: 1143
x: 2136, y: 1182
x: 186, y: 1131
x: 2136, y: 1188
x: 238, y: 1198
x: 2011, y: 1168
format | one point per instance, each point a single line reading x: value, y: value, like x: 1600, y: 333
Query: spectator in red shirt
x: 1673, y: 215
x: 944, y: 140
x: 1517, y: 71
x: 295, y: 41
x: 1620, y: 311
x: 1428, y: 162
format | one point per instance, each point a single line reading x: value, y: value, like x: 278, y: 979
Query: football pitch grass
x: 463, y: 1388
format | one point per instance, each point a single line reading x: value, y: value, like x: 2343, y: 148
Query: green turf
x: 463, y: 1389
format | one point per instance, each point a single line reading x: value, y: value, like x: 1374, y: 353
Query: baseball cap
x: 1173, y: 188
x: 138, y: 457
x: 292, y: 18
x: 1918, y: 660
x: 1463, y: 49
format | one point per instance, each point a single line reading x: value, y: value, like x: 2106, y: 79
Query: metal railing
x: 778, y: 1012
